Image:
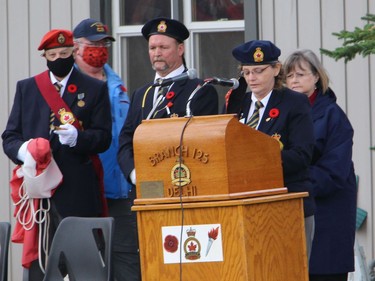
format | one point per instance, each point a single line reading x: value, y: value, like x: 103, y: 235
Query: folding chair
x: 81, y: 250
x: 4, y: 247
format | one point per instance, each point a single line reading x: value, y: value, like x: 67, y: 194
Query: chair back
x: 81, y: 248
x: 4, y: 247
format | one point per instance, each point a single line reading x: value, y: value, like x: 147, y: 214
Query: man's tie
x: 159, y: 99
x: 254, y: 119
x: 58, y: 86
x: 52, y: 115
x: 162, y: 91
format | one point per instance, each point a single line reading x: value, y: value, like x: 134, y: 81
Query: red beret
x: 56, y: 38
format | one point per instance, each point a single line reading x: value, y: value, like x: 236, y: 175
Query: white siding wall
x: 309, y: 24
x: 290, y: 24
x: 22, y: 25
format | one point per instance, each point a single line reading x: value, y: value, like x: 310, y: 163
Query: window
x: 212, y: 10
x: 137, y: 12
x: 216, y: 27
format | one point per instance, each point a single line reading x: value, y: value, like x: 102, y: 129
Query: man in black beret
x: 166, y: 47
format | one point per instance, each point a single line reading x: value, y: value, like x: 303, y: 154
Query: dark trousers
x: 329, y: 277
x: 125, y: 257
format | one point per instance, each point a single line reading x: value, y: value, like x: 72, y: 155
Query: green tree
x: 361, y: 41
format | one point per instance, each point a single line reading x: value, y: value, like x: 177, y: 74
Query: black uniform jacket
x: 78, y: 195
x: 295, y: 126
x: 204, y: 102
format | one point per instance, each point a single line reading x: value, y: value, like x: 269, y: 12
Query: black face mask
x: 61, y: 67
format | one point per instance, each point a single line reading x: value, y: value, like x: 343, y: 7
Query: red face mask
x: 95, y: 56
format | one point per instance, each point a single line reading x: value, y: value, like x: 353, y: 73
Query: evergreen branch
x: 361, y: 41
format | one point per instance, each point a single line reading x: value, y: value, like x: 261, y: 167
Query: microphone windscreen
x: 235, y: 83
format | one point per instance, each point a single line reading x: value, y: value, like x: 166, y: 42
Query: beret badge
x: 162, y: 26
x: 61, y: 39
x: 258, y: 55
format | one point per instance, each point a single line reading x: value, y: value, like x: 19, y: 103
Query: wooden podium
x: 211, y: 204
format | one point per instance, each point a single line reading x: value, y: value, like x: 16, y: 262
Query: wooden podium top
x: 146, y: 205
x: 207, y: 158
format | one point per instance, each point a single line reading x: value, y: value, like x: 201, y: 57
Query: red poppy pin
x: 123, y: 88
x: 169, y: 95
x: 72, y: 88
x: 170, y: 104
x: 274, y: 113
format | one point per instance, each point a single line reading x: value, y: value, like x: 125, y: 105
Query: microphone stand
x: 188, y: 109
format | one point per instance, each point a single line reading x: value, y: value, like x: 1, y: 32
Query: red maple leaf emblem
x: 192, y: 247
x: 66, y: 117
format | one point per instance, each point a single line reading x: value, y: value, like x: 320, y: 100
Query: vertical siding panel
x: 18, y: 68
x: 309, y: 25
x: 358, y: 110
x: 266, y: 18
x: 18, y: 22
x: 286, y: 26
x: 5, y: 212
x: 333, y: 21
x: 39, y: 24
x: 80, y: 11
x: 61, y: 14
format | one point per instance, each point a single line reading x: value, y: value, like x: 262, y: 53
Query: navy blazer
x: 295, y: 127
x: 78, y: 195
x: 204, y: 102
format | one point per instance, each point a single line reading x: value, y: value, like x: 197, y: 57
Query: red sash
x: 55, y: 102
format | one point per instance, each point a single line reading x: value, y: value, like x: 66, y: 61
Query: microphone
x: 233, y: 82
x: 190, y: 74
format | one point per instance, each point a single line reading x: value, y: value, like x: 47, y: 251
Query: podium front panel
x: 262, y: 239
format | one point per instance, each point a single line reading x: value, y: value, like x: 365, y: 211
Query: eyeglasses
x: 96, y: 44
x: 298, y: 75
x: 255, y: 71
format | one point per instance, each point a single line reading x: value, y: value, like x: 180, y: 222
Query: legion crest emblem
x: 66, y: 117
x: 258, y: 55
x: 180, y: 175
x: 61, y: 39
x: 162, y: 27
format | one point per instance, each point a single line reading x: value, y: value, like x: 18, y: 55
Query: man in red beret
x: 71, y: 110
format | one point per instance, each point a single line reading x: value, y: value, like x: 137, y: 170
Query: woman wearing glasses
x: 279, y: 112
x: 331, y: 171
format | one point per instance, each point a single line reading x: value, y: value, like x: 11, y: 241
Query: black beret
x: 257, y: 52
x: 166, y: 26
